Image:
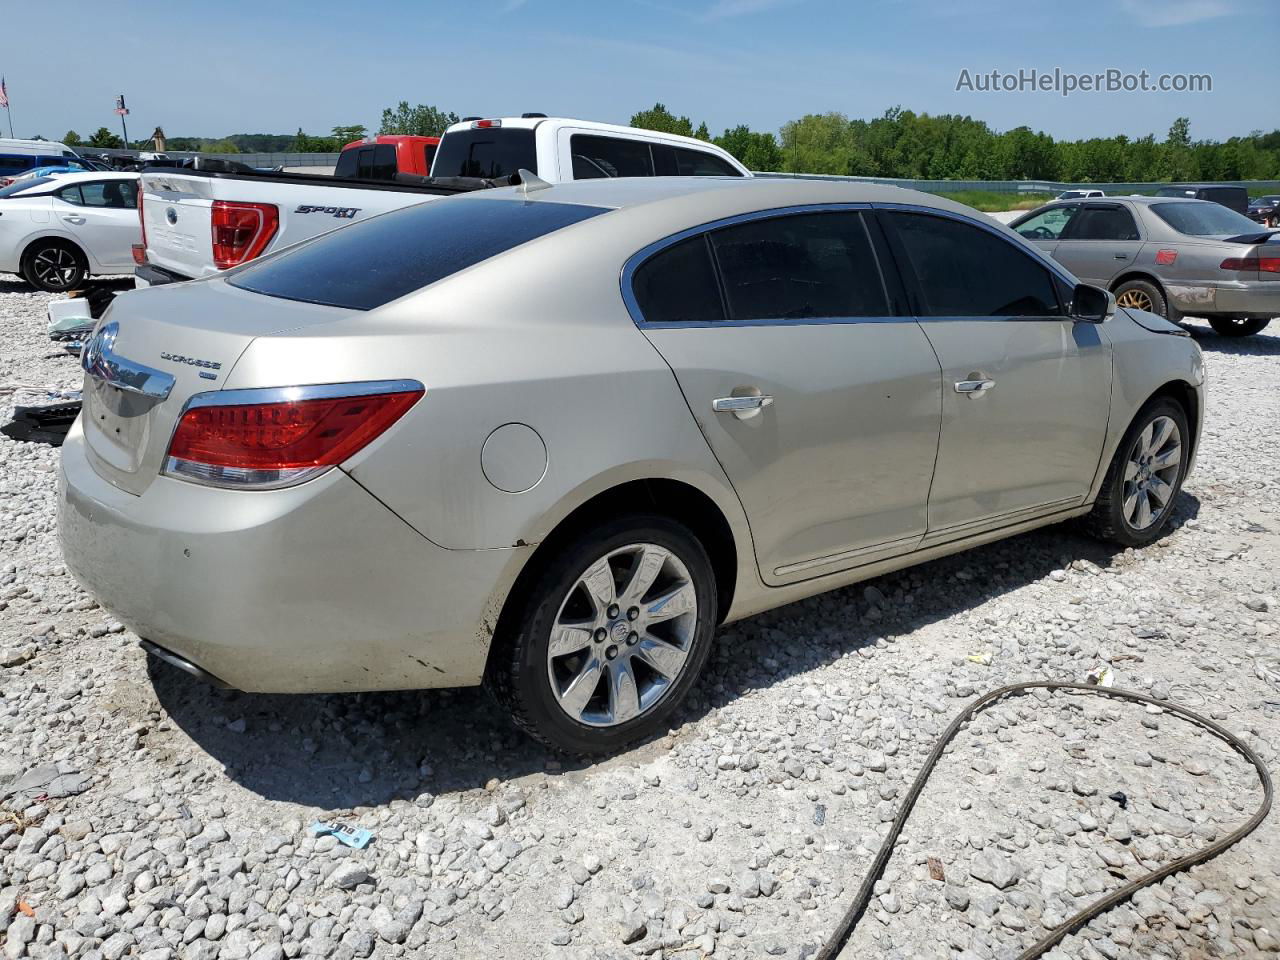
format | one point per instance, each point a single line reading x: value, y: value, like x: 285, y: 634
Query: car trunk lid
x: 176, y: 216
x: 153, y: 351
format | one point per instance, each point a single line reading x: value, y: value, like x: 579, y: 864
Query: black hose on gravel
x: 844, y: 930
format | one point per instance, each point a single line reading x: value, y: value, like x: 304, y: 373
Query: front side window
x: 384, y: 258
x: 609, y: 157
x: 679, y: 285
x: 801, y: 266
x: 1048, y: 224
x: 1103, y: 223
x: 965, y: 271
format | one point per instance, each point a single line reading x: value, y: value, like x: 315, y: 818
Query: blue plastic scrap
x: 356, y: 837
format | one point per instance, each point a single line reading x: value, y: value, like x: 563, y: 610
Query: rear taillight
x: 1261, y: 264
x: 241, y: 231
x: 266, y: 439
x: 143, y: 224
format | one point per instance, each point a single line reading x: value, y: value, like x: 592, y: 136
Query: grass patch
x: 989, y: 201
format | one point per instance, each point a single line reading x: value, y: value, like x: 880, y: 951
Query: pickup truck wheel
x: 609, y: 638
x: 1137, y: 496
x: 1237, y: 326
x: 55, y: 266
x: 1141, y: 295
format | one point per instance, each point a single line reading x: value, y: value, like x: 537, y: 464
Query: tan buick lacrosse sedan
x: 547, y: 439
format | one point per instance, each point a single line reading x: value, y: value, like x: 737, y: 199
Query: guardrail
x: 1010, y: 186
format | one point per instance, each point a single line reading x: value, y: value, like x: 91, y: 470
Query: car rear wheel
x: 54, y: 266
x: 1237, y: 326
x: 610, y: 637
x: 1135, y: 503
x: 1141, y: 295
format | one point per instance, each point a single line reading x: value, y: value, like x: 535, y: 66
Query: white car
x: 1080, y: 195
x: 57, y: 231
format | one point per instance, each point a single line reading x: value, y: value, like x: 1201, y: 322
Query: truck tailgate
x: 176, y: 219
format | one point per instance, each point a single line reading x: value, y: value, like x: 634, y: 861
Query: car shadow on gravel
x: 1264, y: 344
x: 347, y: 751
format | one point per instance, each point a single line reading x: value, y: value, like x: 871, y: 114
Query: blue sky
x: 210, y: 69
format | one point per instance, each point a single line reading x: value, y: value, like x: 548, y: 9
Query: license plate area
x: 117, y: 424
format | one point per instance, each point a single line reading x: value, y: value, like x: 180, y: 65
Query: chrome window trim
x: 99, y: 360
x: 637, y: 259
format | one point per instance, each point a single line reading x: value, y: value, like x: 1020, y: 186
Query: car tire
x: 577, y: 700
x: 54, y: 266
x: 1115, y: 516
x: 1142, y: 295
x: 1237, y: 326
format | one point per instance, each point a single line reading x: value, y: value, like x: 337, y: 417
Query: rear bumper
x: 316, y: 588
x: 1252, y: 298
x: 149, y: 275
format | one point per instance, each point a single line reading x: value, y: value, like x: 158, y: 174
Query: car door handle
x: 74, y: 219
x: 741, y: 407
x: 1122, y: 256
x: 974, y: 388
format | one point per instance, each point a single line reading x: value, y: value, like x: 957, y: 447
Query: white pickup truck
x: 197, y: 223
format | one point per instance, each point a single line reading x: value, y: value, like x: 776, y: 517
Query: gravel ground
x: 181, y: 829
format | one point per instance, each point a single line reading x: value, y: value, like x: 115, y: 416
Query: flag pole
x: 8, y: 114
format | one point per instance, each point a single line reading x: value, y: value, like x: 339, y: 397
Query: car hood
x: 1153, y: 322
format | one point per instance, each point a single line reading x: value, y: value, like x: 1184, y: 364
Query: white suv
x: 558, y: 149
x: 56, y: 231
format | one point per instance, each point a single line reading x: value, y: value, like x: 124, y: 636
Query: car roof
x: 529, y: 123
x: 1201, y: 186
x: 702, y: 199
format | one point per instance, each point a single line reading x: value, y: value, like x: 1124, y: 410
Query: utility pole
x: 123, y: 111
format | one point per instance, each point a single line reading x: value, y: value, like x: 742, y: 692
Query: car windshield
x: 18, y: 186
x: 368, y: 264
x: 1203, y: 219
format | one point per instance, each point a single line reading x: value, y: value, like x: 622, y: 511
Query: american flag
x: 4, y: 95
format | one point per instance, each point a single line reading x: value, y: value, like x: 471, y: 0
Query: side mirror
x: 1092, y: 304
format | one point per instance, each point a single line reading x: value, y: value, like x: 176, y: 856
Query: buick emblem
x: 171, y: 215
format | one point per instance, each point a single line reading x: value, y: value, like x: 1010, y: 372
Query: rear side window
x: 596, y: 157
x: 491, y: 153
x: 384, y: 258
x: 965, y: 271
x: 382, y: 164
x: 428, y: 155
x: 678, y: 285
x: 347, y: 162
x: 1102, y: 223
x: 697, y: 163
x: 799, y: 267
x: 11, y: 163
x: 70, y: 195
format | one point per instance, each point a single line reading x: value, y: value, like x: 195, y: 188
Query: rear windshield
x: 20, y: 185
x: 368, y: 264
x: 1203, y: 219
x: 493, y: 152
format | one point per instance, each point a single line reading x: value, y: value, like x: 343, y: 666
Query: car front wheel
x: 610, y: 637
x: 1237, y: 326
x: 54, y: 266
x: 1135, y: 503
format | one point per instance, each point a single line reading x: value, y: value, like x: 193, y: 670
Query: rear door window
x: 367, y: 264
x: 382, y: 162
x: 799, y: 267
x: 491, y: 153
x: 964, y: 271
x: 679, y: 285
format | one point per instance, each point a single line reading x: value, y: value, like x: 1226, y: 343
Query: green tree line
x: 902, y: 143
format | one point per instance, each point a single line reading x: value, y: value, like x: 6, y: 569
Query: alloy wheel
x: 1134, y: 299
x: 55, y: 267
x: 1151, y: 473
x: 622, y: 635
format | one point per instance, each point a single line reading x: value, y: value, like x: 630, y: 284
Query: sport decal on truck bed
x: 342, y: 213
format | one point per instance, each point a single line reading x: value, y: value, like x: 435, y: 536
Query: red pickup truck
x: 381, y: 158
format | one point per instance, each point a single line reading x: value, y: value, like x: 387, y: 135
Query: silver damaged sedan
x: 548, y: 439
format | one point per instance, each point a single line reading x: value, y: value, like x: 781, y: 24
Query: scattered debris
x: 936, y: 872
x: 355, y: 837
x: 1101, y: 676
x: 53, y: 781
